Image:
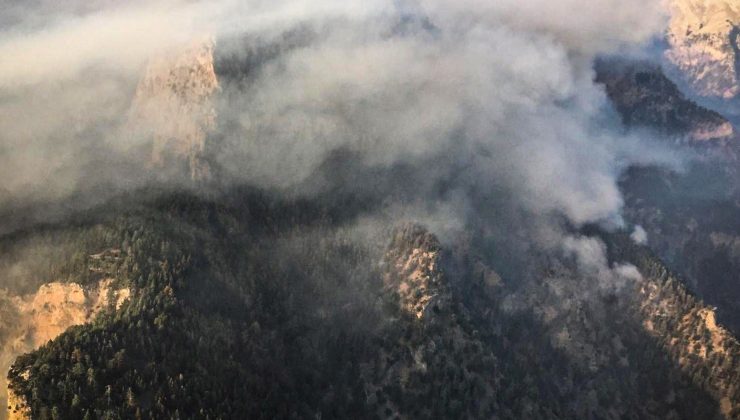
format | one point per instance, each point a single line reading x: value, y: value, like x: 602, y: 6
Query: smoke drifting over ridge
x: 475, y: 95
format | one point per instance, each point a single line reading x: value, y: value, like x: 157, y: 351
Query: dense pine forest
x: 245, y: 305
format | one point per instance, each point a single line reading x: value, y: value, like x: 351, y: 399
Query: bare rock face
x: 704, y: 39
x: 413, y: 268
x: 174, y: 106
x: 44, y: 315
x: 436, y: 331
x: 17, y: 408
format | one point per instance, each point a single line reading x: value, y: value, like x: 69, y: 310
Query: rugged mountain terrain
x: 35, y: 319
x: 646, y: 98
x: 247, y: 305
x: 690, y: 216
x: 239, y: 302
x: 173, y: 107
x: 704, y: 45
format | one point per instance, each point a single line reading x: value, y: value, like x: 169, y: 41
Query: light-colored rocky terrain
x: 35, y: 319
x: 174, y: 106
x: 704, y: 45
x: 703, y: 349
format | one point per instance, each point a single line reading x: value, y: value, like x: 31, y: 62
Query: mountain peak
x: 174, y: 106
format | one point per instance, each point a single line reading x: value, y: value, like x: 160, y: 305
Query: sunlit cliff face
x: 174, y: 106
x: 32, y: 320
x: 704, y: 39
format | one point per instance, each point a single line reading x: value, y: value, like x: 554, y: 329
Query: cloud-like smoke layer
x: 497, y: 94
x: 472, y: 94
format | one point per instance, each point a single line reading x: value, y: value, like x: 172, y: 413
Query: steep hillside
x: 173, y: 106
x: 394, y: 210
x: 38, y: 318
x: 646, y: 98
x: 704, y: 45
x: 233, y: 299
x: 690, y: 216
x: 687, y: 329
x: 249, y: 305
x: 691, y: 221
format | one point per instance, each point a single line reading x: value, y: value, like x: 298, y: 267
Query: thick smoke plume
x: 462, y: 101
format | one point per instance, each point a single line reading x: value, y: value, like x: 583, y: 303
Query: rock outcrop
x: 436, y: 332
x: 44, y: 315
x: 704, y: 40
x: 17, y: 408
x: 174, y: 107
x: 705, y: 351
x: 413, y: 270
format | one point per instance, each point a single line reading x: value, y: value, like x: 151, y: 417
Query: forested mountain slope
x: 247, y: 305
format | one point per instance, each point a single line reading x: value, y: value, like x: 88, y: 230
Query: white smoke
x: 498, y: 94
x: 590, y: 255
x: 639, y: 236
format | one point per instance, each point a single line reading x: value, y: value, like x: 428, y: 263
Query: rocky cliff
x: 688, y: 331
x: 44, y: 315
x: 437, y: 334
x: 413, y: 269
x: 287, y: 317
x: 173, y: 106
x: 17, y: 407
x: 704, y: 45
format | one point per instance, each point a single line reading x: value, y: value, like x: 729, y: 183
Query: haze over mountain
x: 377, y: 209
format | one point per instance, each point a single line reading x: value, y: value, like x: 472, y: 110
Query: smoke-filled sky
x: 480, y: 95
